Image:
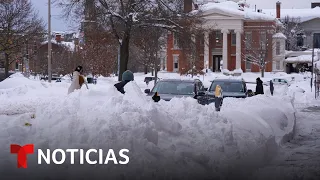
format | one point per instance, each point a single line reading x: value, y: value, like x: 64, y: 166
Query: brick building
x: 63, y: 47
x: 236, y: 37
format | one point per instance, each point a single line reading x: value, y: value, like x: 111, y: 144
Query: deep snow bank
x: 179, y: 138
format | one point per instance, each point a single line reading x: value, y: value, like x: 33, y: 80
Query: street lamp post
x: 49, y: 42
x: 312, y: 69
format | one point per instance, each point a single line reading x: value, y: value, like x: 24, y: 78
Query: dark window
x: 233, y: 39
x: 248, y: 40
x: 201, y: 40
x: 175, y: 40
x: 176, y: 61
x: 316, y: 37
x: 300, y: 40
x: 17, y: 65
x: 174, y: 87
x: 248, y: 63
x: 218, y: 38
x: 228, y: 86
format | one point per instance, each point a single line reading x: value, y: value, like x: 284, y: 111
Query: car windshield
x: 227, y: 86
x: 174, y: 87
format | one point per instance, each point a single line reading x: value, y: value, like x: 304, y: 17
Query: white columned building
x: 226, y: 23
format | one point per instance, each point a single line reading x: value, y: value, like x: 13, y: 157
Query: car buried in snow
x: 176, y: 88
x: 232, y: 88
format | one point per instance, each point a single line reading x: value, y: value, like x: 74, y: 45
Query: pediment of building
x: 220, y: 14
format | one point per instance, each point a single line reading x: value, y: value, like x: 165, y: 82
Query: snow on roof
x: 301, y: 59
x: 279, y: 35
x: 233, y: 8
x: 69, y: 45
x: 303, y: 14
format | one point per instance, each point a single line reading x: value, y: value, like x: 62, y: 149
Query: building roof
x: 302, y: 59
x: 304, y: 14
x: 233, y: 8
x: 69, y: 45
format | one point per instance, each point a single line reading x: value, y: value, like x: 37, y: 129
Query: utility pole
x: 118, y: 68
x: 312, y: 69
x: 49, y: 42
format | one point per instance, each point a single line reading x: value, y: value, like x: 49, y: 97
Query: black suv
x: 170, y: 88
x: 234, y: 88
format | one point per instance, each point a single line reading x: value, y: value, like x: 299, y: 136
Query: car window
x: 228, y: 86
x: 174, y: 87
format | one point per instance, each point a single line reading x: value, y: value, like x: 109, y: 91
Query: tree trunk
x: 6, y: 65
x: 124, y: 56
x: 192, y: 70
x: 262, y: 71
x: 145, y: 69
x: 156, y: 69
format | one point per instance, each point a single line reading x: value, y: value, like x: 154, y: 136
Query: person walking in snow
x: 77, y: 80
x: 218, y: 97
x: 127, y: 76
x: 271, y: 87
x: 259, y: 87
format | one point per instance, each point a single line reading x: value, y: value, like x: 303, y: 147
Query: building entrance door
x: 216, y: 63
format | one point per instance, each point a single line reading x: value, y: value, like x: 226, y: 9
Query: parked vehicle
x: 54, y: 77
x: 234, y: 88
x: 170, y: 88
x: 280, y: 81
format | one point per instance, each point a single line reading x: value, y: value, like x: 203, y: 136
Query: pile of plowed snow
x: 179, y: 138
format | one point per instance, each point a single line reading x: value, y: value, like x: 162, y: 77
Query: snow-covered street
x: 298, y: 159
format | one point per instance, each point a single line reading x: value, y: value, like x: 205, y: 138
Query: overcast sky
x: 268, y: 4
x: 59, y: 24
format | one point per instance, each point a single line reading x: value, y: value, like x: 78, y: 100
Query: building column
x: 206, y: 51
x: 225, y: 48
x: 238, y: 48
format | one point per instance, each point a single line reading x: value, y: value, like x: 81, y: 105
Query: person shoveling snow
x: 127, y: 76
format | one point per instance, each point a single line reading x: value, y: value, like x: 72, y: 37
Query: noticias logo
x: 23, y: 151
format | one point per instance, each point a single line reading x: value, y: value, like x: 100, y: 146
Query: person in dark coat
x: 127, y: 76
x: 259, y: 87
x: 271, y: 87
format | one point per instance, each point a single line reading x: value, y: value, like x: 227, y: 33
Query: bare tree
x: 149, y: 42
x: 19, y: 23
x: 294, y: 33
x: 126, y: 17
x: 259, y: 51
x: 99, y: 55
x: 191, y: 42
